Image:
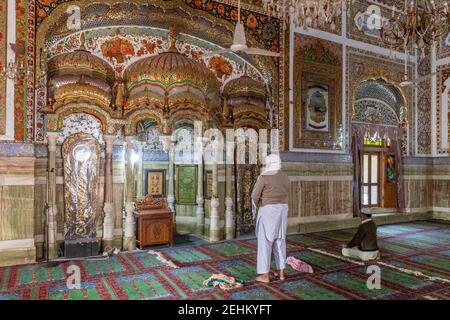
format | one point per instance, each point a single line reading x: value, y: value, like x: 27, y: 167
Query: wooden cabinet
x: 155, y: 222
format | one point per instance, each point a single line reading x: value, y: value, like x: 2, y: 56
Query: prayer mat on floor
x: 416, y: 246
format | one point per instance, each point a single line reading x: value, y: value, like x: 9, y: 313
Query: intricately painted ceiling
x: 122, y: 46
x: 122, y: 32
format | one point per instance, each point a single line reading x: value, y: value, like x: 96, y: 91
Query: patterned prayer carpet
x: 415, y: 264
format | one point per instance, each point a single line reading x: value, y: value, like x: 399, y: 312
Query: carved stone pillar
x: 52, y: 208
x: 108, y: 208
x: 200, y: 212
x: 140, y: 169
x: 129, y: 239
x: 171, y: 177
x: 214, y: 228
x: 229, y: 212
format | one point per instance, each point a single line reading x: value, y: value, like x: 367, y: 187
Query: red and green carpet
x: 417, y: 246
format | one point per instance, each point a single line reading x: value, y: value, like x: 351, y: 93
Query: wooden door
x: 370, y: 186
x: 389, y: 181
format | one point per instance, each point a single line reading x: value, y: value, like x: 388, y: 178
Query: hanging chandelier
x: 420, y: 24
x: 307, y: 13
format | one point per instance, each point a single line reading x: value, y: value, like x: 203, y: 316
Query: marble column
x: 108, y: 208
x: 52, y: 207
x: 200, y: 212
x: 214, y: 228
x: 140, y: 169
x: 171, y: 177
x: 129, y: 240
x: 229, y: 212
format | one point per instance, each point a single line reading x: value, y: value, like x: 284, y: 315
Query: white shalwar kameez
x: 271, y: 226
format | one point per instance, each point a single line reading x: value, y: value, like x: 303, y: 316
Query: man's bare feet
x: 280, y: 274
x: 264, y: 278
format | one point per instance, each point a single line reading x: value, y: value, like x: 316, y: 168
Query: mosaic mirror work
x: 24, y: 89
x: 3, y: 59
x: 81, y: 122
x: 443, y: 75
x: 378, y: 102
x: 444, y: 47
x: 81, y: 154
x: 365, y: 21
x: 423, y: 108
x: 364, y: 66
x: 246, y: 176
x: 317, y: 96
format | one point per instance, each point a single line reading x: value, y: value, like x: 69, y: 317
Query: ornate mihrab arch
x: 139, y: 115
x: 192, y: 16
x: 380, y: 103
x: 108, y: 125
x: 364, y: 66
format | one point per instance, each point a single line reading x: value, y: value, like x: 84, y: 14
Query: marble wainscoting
x: 321, y: 191
x: 17, y: 193
x: 441, y: 188
x: 427, y: 186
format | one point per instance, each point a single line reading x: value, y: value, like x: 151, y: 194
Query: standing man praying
x: 271, y: 195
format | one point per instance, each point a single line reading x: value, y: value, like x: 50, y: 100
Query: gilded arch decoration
x: 109, y: 125
x: 139, y: 115
x: 364, y: 66
x: 215, y: 13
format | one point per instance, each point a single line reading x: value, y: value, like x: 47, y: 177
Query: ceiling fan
x: 240, y: 42
x: 414, y: 83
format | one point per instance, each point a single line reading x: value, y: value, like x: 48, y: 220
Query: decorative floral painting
x: 125, y: 45
x: 258, y: 25
x: 221, y: 66
x: 117, y: 49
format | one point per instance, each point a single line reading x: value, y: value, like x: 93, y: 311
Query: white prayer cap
x: 273, y: 163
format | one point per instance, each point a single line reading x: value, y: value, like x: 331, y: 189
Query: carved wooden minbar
x: 155, y: 222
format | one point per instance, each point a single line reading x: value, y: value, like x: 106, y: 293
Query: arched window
x: 184, y: 143
x: 148, y: 133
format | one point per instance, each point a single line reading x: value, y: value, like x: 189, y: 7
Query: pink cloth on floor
x: 299, y: 265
